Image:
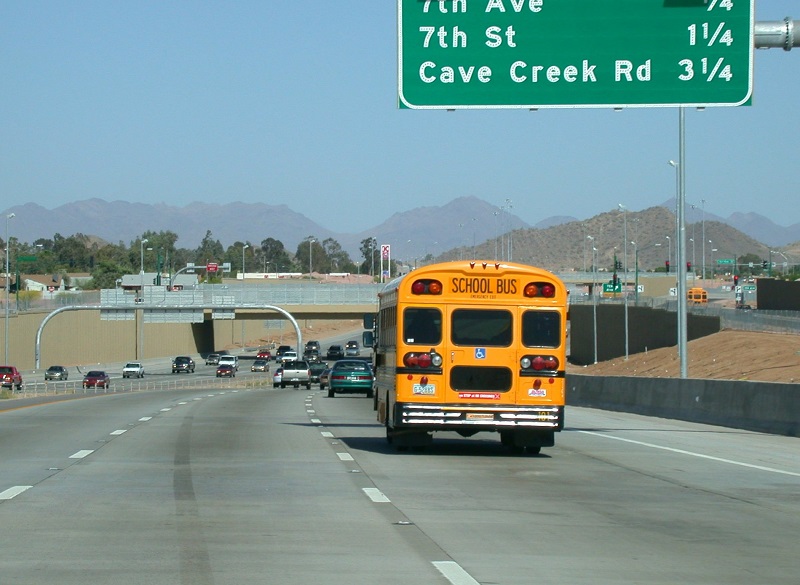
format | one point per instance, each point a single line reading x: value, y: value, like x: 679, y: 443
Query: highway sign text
x: 574, y: 53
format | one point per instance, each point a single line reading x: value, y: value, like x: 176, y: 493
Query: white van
x: 231, y: 360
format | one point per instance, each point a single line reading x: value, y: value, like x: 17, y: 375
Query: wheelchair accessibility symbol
x: 480, y: 353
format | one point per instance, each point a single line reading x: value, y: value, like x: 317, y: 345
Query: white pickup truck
x: 133, y: 370
x: 295, y: 373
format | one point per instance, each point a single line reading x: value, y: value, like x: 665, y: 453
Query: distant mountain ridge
x: 463, y: 223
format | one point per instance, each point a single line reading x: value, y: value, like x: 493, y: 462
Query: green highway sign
x: 574, y: 53
x: 608, y: 287
x: 726, y: 261
x: 749, y: 287
x: 26, y: 259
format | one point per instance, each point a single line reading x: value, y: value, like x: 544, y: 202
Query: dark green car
x: 350, y: 376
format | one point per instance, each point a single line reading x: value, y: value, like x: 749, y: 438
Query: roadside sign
x: 581, y: 53
x: 725, y: 261
x: 26, y: 258
x: 608, y: 287
x: 749, y: 287
x: 212, y: 267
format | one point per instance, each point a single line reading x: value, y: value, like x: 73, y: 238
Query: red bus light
x: 539, y: 289
x: 426, y: 287
x: 531, y: 290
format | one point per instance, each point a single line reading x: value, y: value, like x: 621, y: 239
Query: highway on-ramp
x: 262, y: 485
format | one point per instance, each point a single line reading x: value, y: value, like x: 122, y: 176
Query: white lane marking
x: 345, y: 456
x: 81, y: 454
x: 315, y: 420
x: 453, y: 572
x: 183, y: 403
x: 310, y: 411
x: 693, y: 454
x: 119, y: 431
x: 375, y: 495
x: 13, y: 492
x: 146, y: 418
x: 327, y: 434
x: 165, y: 409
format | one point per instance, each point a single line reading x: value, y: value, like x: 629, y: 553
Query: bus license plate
x: 427, y: 389
x: 480, y: 416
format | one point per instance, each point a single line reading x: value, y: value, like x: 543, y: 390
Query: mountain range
x: 463, y: 223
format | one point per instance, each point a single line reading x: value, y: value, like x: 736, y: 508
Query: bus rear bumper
x: 479, y: 417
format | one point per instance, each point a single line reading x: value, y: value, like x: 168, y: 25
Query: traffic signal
x: 764, y: 264
x: 735, y: 280
x: 666, y: 264
x: 688, y: 267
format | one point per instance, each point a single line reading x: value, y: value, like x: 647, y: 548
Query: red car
x: 10, y: 377
x: 264, y: 354
x: 96, y: 379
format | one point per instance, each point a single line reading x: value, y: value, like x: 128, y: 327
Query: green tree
x: 274, y: 256
x: 371, y: 255
x: 105, y: 275
x: 210, y: 250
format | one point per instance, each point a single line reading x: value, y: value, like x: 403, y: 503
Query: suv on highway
x: 212, y: 359
x: 280, y: 350
x: 295, y: 373
x: 10, y: 377
x: 182, y: 363
x: 229, y: 360
x: 133, y: 370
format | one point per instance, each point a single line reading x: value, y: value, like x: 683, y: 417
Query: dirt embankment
x: 727, y: 355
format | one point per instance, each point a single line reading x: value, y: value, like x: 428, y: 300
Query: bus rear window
x: 422, y: 326
x: 541, y: 329
x: 483, y: 327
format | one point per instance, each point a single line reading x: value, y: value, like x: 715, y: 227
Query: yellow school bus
x: 697, y: 295
x: 471, y: 346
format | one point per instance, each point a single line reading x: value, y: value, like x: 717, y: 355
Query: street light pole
x: 625, y: 262
x: 669, y: 255
x: 594, y: 298
x: 140, y: 344
x: 311, y: 240
x: 636, y: 270
x: 8, y: 270
x: 703, y: 207
x: 244, y: 247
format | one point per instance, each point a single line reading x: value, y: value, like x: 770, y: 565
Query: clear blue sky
x: 295, y: 102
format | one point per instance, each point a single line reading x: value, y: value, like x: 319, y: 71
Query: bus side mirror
x: 369, y: 321
x: 367, y: 339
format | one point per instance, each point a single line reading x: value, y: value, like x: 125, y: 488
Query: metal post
x: 244, y: 247
x: 625, y: 253
x: 594, y: 298
x: 140, y: 321
x: 680, y: 252
x: 8, y: 273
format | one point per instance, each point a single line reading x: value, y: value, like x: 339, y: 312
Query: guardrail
x: 37, y: 389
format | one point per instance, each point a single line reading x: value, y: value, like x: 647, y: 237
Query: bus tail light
x: 539, y: 289
x: 426, y: 286
x: 539, y: 363
x: 423, y: 360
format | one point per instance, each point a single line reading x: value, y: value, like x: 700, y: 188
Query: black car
x: 280, y: 350
x: 56, y: 373
x: 182, y: 363
x: 316, y: 369
x: 335, y: 352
